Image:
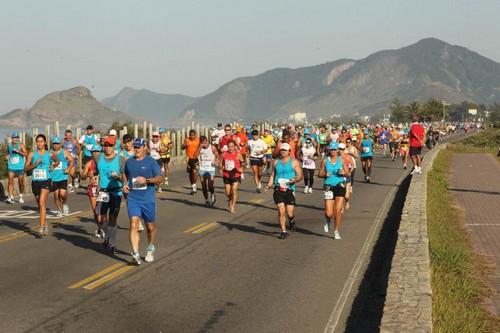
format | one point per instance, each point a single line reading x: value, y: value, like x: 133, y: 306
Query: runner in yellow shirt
x: 268, y: 139
x: 165, y: 151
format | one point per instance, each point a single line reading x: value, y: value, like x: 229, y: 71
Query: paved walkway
x: 475, y: 184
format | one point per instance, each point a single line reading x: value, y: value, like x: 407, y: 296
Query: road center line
x: 195, y: 227
x: 108, y: 277
x: 96, y: 275
x: 205, y: 228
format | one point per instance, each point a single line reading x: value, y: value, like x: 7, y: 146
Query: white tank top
x: 154, y: 148
x: 207, y: 159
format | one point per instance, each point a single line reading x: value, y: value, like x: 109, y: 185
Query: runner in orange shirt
x: 242, y: 142
x: 191, y: 145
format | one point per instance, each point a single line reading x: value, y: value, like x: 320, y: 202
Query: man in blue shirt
x: 140, y: 175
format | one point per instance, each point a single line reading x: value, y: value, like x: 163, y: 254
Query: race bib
x: 308, y: 162
x: 206, y: 164
x: 284, y: 183
x: 138, y: 186
x: 39, y: 174
x: 366, y: 149
x: 89, y: 146
x: 228, y: 165
x: 94, y: 190
x: 14, y: 160
x: 59, y: 166
x: 103, y: 197
x: 328, y: 195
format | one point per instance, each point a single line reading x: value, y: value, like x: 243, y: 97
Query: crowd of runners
x: 279, y: 158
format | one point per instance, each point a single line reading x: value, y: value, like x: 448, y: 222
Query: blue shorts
x: 268, y: 156
x: 17, y: 173
x: 142, y: 209
x: 205, y: 173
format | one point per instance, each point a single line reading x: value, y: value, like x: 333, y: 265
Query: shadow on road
x: 298, y: 229
x: 473, y: 191
x: 248, y: 228
x: 367, y: 309
x: 214, y: 318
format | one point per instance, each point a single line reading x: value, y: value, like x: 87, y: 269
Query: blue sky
x: 193, y: 47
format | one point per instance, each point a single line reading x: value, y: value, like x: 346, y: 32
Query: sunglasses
x: 156, y: 136
x: 108, y: 145
x: 227, y: 130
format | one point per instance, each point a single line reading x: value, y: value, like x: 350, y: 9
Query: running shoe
x: 283, y: 235
x: 59, y: 214
x: 193, y: 191
x: 368, y: 179
x: 10, y: 200
x: 45, y: 230
x: 414, y: 171
x: 336, y: 234
x: 136, y: 257
x: 150, y: 253
x: 292, y: 226
x: 77, y: 183
x: 97, y: 233
x: 306, y: 189
x: 39, y: 233
x: 159, y: 189
x: 21, y: 200
x: 257, y: 190
x: 141, y: 227
x: 71, y: 189
x: 65, y: 210
x: 310, y: 190
x: 212, y: 199
x: 242, y: 176
x: 207, y: 203
x: 326, y: 226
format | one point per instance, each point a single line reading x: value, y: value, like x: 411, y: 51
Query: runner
x: 257, y: 148
x: 165, y: 152
x: 354, y: 153
x: 140, y: 176
x: 88, y: 140
x: 118, y: 144
x: 308, y: 155
x: 71, y: 145
x: 404, y: 145
x: 231, y: 169
x: 417, y: 140
x: 323, y: 141
x: 286, y: 173
x: 207, y: 155
x: 59, y: 176
x: 334, y: 171
x: 128, y: 147
x: 154, y: 148
x: 216, y: 135
x: 348, y: 161
x: 109, y: 166
x: 16, y: 157
x: 241, y: 140
x: 38, y: 162
x: 191, y: 145
x: 366, y: 148
x: 268, y: 139
x: 394, y: 139
x: 224, y: 140
x: 90, y: 170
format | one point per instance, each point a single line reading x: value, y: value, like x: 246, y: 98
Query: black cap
x: 255, y: 132
x: 90, y: 127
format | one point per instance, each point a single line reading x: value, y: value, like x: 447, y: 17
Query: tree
x: 432, y: 110
x: 398, y: 112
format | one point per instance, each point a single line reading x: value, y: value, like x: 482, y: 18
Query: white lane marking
x: 31, y: 214
x: 358, y: 264
x: 481, y: 224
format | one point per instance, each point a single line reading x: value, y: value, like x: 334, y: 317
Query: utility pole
x: 444, y: 109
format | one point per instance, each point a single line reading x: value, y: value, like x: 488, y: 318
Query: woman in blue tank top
x: 287, y: 171
x: 39, y: 163
x: 59, y: 176
x: 334, y: 172
x: 16, y: 159
x: 366, y: 155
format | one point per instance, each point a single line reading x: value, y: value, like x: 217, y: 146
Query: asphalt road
x: 213, y: 271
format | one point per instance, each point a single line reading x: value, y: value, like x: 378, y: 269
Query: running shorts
x: 38, y: 186
x: 287, y: 197
x: 257, y: 161
x: 366, y: 158
x: 207, y: 173
x: 332, y: 192
x: 415, y: 151
x: 146, y: 210
x: 112, y: 206
x: 192, y: 165
x: 229, y: 181
x: 60, y: 185
x: 17, y: 173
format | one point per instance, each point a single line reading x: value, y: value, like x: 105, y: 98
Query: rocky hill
x: 429, y: 68
x: 160, y: 108
x: 74, y: 106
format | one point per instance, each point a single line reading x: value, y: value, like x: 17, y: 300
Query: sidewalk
x: 475, y: 185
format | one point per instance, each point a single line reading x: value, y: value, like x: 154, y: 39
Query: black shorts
x: 38, y: 186
x: 286, y: 197
x: 159, y: 162
x: 415, y: 151
x: 85, y: 159
x: 257, y: 161
x: 59, y: 185
x: 367, y: 158
x: 113, y: 206
x: 166, y: 160
x: 337, y: 191
x: 229, y: 181
x: 192, y: 165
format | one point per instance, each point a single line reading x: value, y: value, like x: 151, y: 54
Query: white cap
x: 285, y: 146
x: 112, y: 132
x: 341, y: 145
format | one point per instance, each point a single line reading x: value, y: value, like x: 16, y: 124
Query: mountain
x: 160, y: 108
x: 429, y: 68
x: 74, y: 106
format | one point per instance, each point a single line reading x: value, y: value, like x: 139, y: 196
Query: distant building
x: 298, y: 117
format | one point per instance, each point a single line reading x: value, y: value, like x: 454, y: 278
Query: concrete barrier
x: 408, y: 304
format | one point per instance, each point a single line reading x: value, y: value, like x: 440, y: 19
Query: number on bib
x: 103, y: 197
x: 138, y: 186
x: 39, y: 174
x: 228, y: 165
x: 14, y: 160
x: 328, y: 195
x: 366, y: 149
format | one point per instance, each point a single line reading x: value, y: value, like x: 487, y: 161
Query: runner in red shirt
x: 417, y: 140
x: 231, y: 170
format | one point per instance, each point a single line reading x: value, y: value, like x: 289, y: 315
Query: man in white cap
x: 286, y: 173
x: 118, y: 145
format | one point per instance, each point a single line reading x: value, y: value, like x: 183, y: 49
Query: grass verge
x: 456, y: 276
